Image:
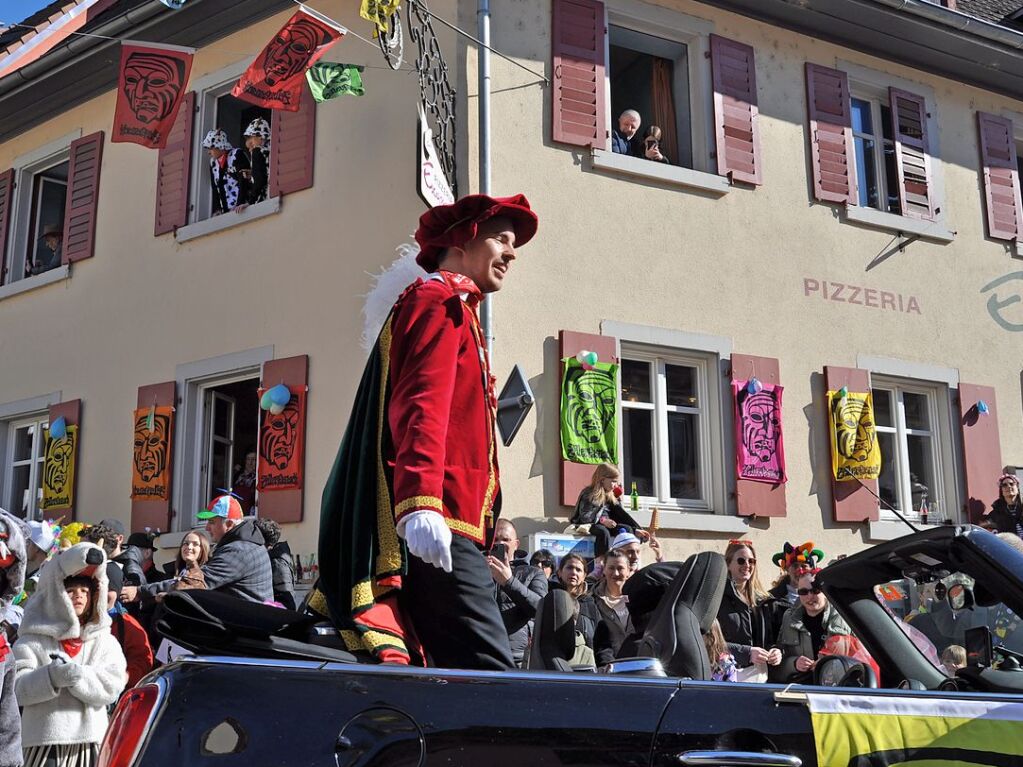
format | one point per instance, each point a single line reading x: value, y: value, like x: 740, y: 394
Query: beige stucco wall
x: 608, y: 249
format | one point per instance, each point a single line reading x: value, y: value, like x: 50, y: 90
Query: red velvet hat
x: 454, y: 225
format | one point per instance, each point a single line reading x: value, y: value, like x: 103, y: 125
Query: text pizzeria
x: 861, y: 296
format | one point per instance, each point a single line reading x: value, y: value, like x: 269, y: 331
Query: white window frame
x: 658, y: 358
x: 694, y: 33
x: 39, y: 420
x: 942, y: 447
x: 874, y: 99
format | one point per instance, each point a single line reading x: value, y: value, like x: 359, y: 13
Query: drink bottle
x: 635, y: 498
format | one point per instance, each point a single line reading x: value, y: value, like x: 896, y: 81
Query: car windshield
x: 936, y: 616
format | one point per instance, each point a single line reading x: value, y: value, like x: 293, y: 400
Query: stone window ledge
x: 692, y: 521
x: 228, y: 220
x: 62, y: 272
x: 636, y: 167
x: 934, y: 231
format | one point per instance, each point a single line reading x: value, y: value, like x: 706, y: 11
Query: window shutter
x: 156, y: 514
x: 285, y: 505
x: 1001, y: 177
x: 736, y: 118
x: 909, y: 127
x: 579, y: 110
x: 293, y: 147
x: 757, y: 499
x: 6, y: 201
x: 982, y: 450
x: 72, y: 412
x: 174, y: 170
x: 82, y: 197
x: 851, y: 502
x: 576, y: 476
x: 831, y: 137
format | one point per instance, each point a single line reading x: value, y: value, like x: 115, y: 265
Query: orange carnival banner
x: 276, y: 78
x: 151, y: 464
x: 149, y: 92
x: 281, y: 436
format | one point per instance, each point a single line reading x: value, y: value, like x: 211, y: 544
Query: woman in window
x: 257, y: 147
x: 747, y: 614
x: 572, y: 578
x: 69, y: 666
x: 805, y: 629
x: 600, y: 507
x: 612, y: 607
x: 1006, y: 515
x: 228, y: 169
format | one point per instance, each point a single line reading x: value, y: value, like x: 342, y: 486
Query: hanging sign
x: 328, y: 80
x: 275, y: 79
x: 149, y: 92
x: 759, y: 449
x: 433, y: 186
x: 589, y: 412
x: 379, y: 12
x: 151, y: 464
x: 59, y: 470
x: 281, y: 436
x: 855, y: 452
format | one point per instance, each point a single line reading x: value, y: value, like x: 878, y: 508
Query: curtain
x: 664, y: 109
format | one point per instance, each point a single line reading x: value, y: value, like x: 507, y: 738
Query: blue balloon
x: 58, y: 429
x: 754, y: 386
x: 280, y: 395
x: 982, y: 408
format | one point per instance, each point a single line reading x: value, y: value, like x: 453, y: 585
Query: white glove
x: 64, y: 674
x: 428, y: 537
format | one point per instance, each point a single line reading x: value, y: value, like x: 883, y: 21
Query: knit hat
x: 804, y: 555
x: 621, y: 540
x: 258, y: 127
x: 453, y: 225
x: 216, y: 139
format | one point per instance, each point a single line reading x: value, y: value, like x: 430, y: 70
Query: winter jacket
x: 780, y: 591
x: 745, y: 628
x: 282, y: 567
x: 518, y: 600
x: 794, y: 640
x: 130, y: 561
x: 12, y: 580
x: 1004, y: 520
x: 586, y: 623
x: 134, y: 642
x: 65, y: 699
x: 588, y: 513
x: 240, y: 565
x: 611, y: 631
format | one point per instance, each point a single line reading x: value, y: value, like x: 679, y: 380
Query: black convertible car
x: 266, y: 687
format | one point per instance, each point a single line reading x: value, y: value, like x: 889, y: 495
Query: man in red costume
x: 419, y: 459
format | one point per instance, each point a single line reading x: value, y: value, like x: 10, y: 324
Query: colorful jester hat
x: 804, y: 556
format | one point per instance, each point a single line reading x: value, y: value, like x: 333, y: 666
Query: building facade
x: 840, y: 208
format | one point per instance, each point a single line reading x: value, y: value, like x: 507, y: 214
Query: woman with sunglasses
x: 747, y: 613
x: 1006, y: 515
x: 804, y: 630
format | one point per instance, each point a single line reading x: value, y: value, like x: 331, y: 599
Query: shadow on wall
x: 818, y: 448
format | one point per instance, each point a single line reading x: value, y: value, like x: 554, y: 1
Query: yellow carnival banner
x: 855, y: 453
x: 875, y: 731
x: 59, y: 471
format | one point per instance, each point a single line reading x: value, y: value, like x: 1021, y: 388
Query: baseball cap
x: 142, y: 540
x: 114, y: 524
x: 224, y: 506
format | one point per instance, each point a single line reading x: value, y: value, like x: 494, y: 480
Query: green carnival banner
x: 589, y: 412
x: 328, y: 80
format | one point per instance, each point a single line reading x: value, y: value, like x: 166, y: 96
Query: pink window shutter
x: 6, y: 201
x: 831, y: 138
x: 1001, y: 177
x: 736, y: 117
x: 293, y: 148
x: 82, y: 197
x: 982, y: 448
x: 912, y: 156
x: 579, y: 107
x: 174, y: 169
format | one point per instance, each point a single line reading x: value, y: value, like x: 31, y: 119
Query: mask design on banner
x: 59, y: 470
x: 152, y: 84
x: 855, y: 452
x: 588, y: 413
x: 278, y: 440
x: 151, y: 446
x: 760, y: 454
x: 291, y: 49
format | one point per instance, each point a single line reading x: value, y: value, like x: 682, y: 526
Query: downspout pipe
x: 483, y: 128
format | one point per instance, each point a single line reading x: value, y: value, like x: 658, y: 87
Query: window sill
x: 692, y: 521
x: 62, y: 272
x: 228, y: 220
x: 890, y: 529
x: 675, y: 175
x: 890, y: 222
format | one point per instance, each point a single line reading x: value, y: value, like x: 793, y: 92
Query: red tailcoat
x: 442, y: 407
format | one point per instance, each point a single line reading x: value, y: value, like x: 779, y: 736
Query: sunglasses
x: 1008, y: 484
x: 808, y: 592
x: 743, y: 561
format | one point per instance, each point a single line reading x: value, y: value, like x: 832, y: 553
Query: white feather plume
x: 387, y: 286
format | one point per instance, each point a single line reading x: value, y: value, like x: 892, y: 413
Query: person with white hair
x: 625, y: 136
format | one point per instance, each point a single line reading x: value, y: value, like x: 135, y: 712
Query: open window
x: 23, y: 474
x: 36, y: 241
x: 230, y: 435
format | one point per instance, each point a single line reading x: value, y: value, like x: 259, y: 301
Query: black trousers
x: 455, y: 615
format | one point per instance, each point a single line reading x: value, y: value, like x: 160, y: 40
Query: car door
x: 710, y: 723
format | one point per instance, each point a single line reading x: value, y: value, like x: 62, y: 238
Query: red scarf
x: 4, y: 647
x: 71, y: 646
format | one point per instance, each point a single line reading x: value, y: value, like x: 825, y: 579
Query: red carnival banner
x: 276, y: 78
x: 149, y: 93
x: 281, y: 437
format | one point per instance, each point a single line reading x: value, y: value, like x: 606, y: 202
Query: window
x: 877, y: 175
x: 666, y: 429
x: 650, y: 75
x: 912, y: 435
x: 37, y: 231
x: 24, y: 472
x: 230, y: 432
